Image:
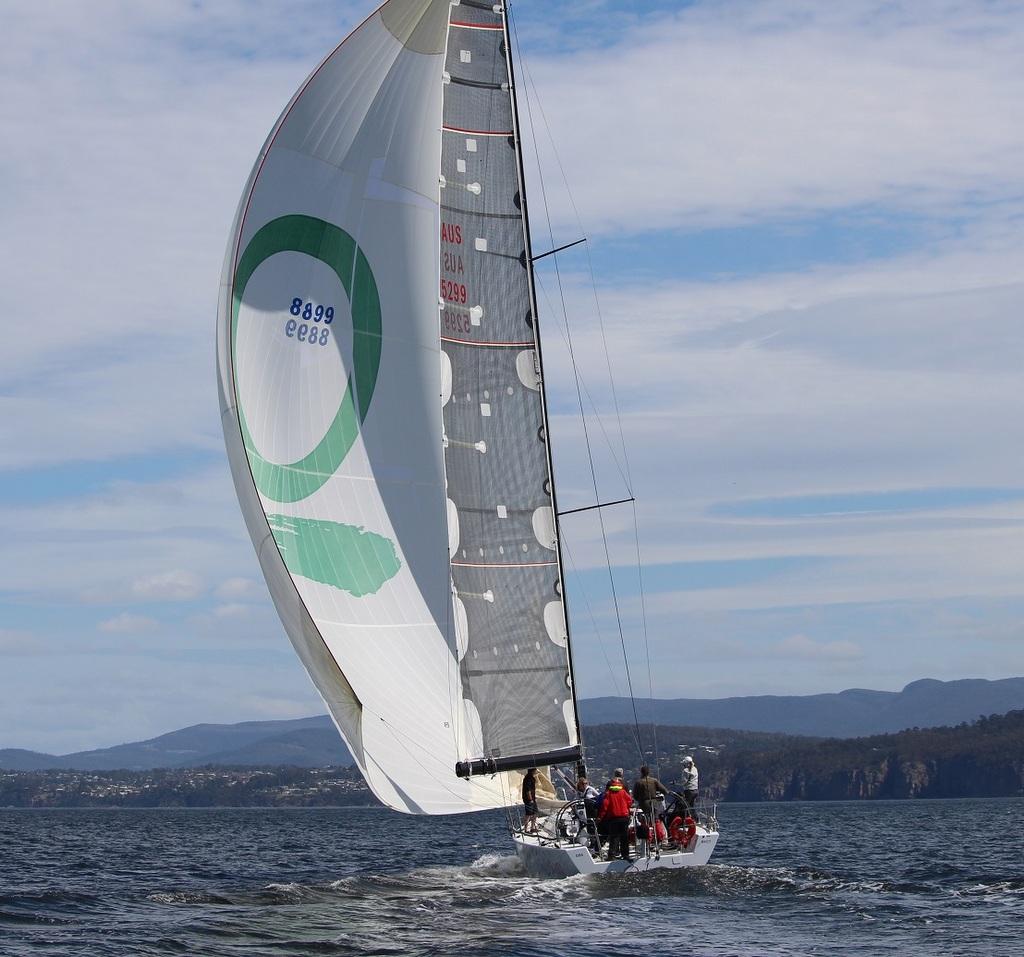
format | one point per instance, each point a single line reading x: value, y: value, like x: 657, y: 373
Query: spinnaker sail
x: 383, y: 409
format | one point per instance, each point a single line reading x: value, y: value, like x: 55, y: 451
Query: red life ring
x: 683, y: 832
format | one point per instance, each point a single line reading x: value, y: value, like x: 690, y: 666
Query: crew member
x: 530, y: 801
x: 614, y: 814
x: 645, y: 793
x: 689, y: 784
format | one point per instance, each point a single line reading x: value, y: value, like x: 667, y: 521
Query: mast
x: 540, y: 360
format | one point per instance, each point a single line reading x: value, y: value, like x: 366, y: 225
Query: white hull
x: 543, y: 857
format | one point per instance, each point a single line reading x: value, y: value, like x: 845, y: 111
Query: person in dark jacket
x: 646, y: 791
x: 530, y: 801
x: 614, y: 814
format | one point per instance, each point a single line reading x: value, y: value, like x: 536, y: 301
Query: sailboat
x: 383, y: 404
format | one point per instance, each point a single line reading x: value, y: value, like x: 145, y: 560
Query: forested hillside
x: 981, y: 759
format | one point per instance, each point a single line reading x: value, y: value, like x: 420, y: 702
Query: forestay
x: 399, y: 494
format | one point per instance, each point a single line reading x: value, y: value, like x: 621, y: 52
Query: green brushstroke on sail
x: 293, y: 481
x: 345, y: 556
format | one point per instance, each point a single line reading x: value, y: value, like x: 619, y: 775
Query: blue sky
x: 805, y: 224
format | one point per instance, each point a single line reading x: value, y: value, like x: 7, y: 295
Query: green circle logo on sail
x: 293, y: 481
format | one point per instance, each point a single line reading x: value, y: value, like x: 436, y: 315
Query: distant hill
x: 314, y: 742
x: 316, y: 746
x: 17, y: 759
x: 305, y: 742
x: 923, y: 704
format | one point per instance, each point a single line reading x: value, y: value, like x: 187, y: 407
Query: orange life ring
x: 681, y: 832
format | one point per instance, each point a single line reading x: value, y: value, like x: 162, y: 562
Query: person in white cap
x: 689, y: 783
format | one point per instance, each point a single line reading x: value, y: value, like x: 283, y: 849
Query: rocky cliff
x: 983, y: 759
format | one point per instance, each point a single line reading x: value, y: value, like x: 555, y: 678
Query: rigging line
x: 579, y: 396
x: 590, y: 266
x: 539, y: 283
x: 593, y: 619
x: 628, y: 478
x: 647, y: 647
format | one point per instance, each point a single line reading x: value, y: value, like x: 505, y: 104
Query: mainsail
x: 384, y: 415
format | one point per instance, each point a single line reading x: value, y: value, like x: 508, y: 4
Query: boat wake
x: 496, y: 865
x: 494, y: 880
x: 1010, y: 891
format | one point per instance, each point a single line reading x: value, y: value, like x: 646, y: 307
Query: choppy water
x: 909, y: 878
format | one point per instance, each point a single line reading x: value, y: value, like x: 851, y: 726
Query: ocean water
x: 907, y: 878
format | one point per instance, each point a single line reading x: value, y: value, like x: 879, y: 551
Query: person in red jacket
x: 614, y: 815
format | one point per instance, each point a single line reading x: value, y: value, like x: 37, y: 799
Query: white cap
x: 687, y: 760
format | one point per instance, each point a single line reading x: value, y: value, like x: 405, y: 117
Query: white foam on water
x: 498, y: 865
x: 185, y: 897
x: 1000, y: 892
x: 555, y: 890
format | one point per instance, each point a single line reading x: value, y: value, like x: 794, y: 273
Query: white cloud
x: 802, y: 647
x: 128, y: 624
x: 238, y: 611
x: 234, y: 625
x: 240, y: 588
x: 739, y: 111
x: 177, y: 585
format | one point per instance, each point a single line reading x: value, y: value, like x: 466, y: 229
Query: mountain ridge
x: 313, y: 741
x: 855, y: 712
x: 307, y: 742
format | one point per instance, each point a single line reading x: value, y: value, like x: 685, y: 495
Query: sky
x: 805, y: 226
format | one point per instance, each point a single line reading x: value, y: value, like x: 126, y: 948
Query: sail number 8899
x: 309, y: 310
